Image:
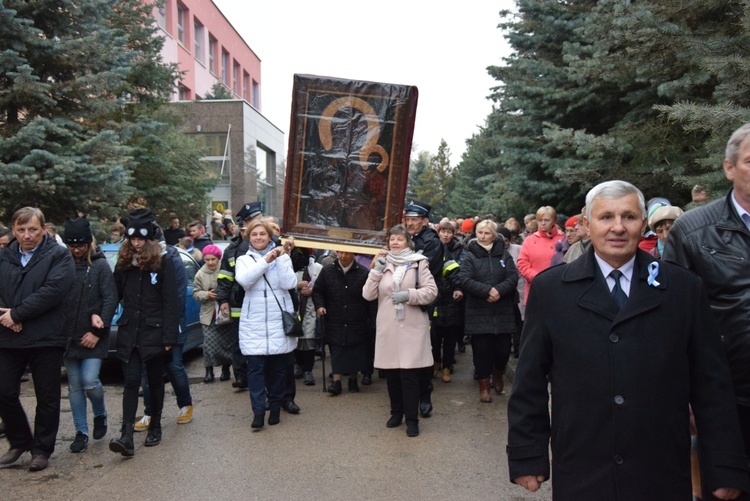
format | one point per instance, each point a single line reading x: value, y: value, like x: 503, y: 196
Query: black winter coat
x: 428, y: 243
x: 480, y: 271
x: 446, y: 311
x: 151, y: 315
x: 349, y: 319
x: 622, y: 380
x: 35, y: 294
x: 94, y: 291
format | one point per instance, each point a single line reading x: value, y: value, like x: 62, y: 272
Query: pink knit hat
x: 212, y: 250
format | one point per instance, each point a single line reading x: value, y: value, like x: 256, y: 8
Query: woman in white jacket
x: 266, y: 274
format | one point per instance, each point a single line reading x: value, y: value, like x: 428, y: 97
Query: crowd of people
x: 634, y: 352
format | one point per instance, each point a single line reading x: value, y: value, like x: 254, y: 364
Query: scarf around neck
x: 401, y: 261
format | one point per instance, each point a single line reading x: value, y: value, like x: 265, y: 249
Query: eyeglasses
x: 140, y: 232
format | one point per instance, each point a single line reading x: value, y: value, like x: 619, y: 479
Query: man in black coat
x: 35, y: 275
x: 627, y: 345
x: 426, y: 242
x: 714, y: 242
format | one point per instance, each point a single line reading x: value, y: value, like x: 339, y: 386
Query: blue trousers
x: 267, y: 372
x: 83, y: 381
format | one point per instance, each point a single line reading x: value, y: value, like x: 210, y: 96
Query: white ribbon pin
x: 653, y: 272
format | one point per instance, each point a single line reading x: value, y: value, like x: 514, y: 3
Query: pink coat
x: 402, y: 344
x: 535, y: 256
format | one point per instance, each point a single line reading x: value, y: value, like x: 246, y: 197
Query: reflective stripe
x: 224, y: 276
x: 449, y: 266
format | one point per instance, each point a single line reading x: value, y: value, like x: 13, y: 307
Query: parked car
x: 192, y: 307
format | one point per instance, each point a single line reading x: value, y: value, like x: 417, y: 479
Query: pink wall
x: 198, y: 78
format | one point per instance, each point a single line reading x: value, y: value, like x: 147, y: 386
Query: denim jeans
x: 83, y: 381
x: 177, y: 377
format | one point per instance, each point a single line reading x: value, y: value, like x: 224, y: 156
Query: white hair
x: 611, y: 190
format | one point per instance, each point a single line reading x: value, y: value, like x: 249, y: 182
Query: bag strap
x: 269, y: 286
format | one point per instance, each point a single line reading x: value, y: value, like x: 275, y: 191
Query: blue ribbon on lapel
x: 653, y: 272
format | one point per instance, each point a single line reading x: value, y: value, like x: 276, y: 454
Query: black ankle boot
x: 124, y: 444
x: 154, y: 435
x: 335, y: 388
x: 225, y: 374
x: 209, y: 375
x: 274, y: 417
x: 258, y: 420
x: 412, y: 428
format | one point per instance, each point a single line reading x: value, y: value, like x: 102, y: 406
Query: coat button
x: 618, y: 459
x: 614, y: 338
x: 619, y: 400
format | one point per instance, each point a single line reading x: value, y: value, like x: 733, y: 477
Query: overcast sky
x: 441, y: 47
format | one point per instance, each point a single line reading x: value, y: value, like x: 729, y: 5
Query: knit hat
x: 249, y: 211
x: 505, y: 232
x: 212, y: 250
x: 141, y: 224
x: 571, y: 222
x: 78, y: 231
x: 664, y: 213
x: 418, y: 209
x: 467, y: 225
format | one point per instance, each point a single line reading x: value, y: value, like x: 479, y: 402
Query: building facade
x: 244, y: 148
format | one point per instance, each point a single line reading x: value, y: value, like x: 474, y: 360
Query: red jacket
x: 536, y: 254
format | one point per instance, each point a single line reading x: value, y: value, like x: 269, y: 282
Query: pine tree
x: 218, y: 91
x: 436, y: 181
x: 81, y: 87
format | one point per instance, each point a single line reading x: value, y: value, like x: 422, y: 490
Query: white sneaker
x: 143, y: 424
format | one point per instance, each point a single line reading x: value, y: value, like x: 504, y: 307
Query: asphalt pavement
x: 336, y: 448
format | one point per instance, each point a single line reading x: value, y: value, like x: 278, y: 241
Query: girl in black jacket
x: 488, y: 278
x: 148, y: 326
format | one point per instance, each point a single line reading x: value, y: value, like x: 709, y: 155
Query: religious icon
x: 348, y: 158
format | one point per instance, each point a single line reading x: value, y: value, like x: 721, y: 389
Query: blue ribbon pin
x: 153, y: 278
x: 502, y: 263
x: 653, y: 272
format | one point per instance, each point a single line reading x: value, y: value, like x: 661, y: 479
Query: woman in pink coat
x: 539, y: 247
x: 401, y: 281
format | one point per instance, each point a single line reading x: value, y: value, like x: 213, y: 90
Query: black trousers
x: 403, y: 391
x: 239, y: 362
x: 490, y: 351
x: 443, y: 339
x: 131, y: 370
x: 290, y: 388
x: 45, y: 366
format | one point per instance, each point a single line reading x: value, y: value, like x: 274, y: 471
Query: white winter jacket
x: 261, y: 329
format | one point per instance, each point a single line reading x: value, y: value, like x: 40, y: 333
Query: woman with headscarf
x: 89, y: 309
x: 401, y: 282
x: 149, y: 325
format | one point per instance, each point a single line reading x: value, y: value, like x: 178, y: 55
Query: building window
x: 182, y: 16
x: 212, y: 54
x: 198, y: 34
x: 184, y: 93
x: 236, y: 78
x: 161, y: 17
x: 216, y: 146
x: 245, y: 86
x: 265, y: 172
x: 256, y: 95
x: 224, y: 67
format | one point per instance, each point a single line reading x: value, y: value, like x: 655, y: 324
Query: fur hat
x: 141, y: 224
x: 78, y: 231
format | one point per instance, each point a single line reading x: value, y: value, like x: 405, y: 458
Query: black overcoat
x: 35, y: 294
x: 621, y: 382
x: 151, y: 312
x: 350, y: 318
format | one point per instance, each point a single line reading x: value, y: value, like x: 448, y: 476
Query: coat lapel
x: 596, y: 296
